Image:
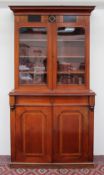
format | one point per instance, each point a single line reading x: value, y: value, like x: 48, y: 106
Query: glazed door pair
x: 46, y: 134
x: 51, y: 56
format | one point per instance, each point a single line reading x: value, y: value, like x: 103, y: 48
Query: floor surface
x: 97, y: 170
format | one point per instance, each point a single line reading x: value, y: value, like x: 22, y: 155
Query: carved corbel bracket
x: 12, y: 107
x: 91, y: 103
x: 12, y: 102
x: 91, y: 107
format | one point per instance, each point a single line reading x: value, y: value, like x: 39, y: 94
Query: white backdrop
x: 7, y: 77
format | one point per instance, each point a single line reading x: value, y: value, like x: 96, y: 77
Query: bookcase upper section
x: 52, y: 47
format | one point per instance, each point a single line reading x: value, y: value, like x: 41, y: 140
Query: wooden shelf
x: 33, y: 83
x: 72, y: 72
x: 22, y: 56
x: 75, y: 84
x: 34, y: 32
x: 75, y: 56
x: 71, y: 40
x: 33, y: 72
x: 31, y: 40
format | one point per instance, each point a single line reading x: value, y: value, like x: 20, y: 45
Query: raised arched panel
x: 32, y: 133
x: 70, y: 126
x: 68, y: 136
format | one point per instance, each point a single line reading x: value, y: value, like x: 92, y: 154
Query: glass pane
x: 68, y: 18
x: 33, y: 55
x: 71, y: 55
x: 34, y: 18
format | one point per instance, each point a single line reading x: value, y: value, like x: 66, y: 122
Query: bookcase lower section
x: 52, y: 129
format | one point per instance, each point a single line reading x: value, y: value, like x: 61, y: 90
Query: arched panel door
x: 33, y: 134
x: 70, y: 134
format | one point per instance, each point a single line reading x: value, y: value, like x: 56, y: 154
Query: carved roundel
x: 52, y: 18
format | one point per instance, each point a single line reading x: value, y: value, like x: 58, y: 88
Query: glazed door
x: 70, y: 134
x: 71, y: 57
x: 33, y: 134
x: 33, y: 57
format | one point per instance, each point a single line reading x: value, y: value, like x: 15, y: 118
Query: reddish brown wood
x: 53, y: 93
x: 33, y: 134
x: 54, y: 165
x: 12, y: 126
x: 70, y: 134
x: 52, y: 123
x: 82, y: 21
x: 52, y: 9
x: 91, y: 126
